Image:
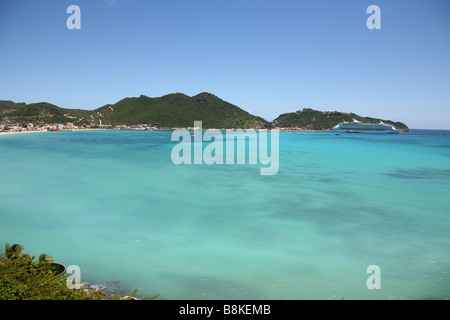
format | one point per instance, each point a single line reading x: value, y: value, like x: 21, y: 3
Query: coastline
x: 14, y: 132
x: 103, y: 129
x: 18, y: 132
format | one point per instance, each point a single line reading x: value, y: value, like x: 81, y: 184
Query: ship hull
x: 367, y: 131
x: 357, y: 127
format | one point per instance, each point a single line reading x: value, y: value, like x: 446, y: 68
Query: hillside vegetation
x: 324, y: 120
x: 179, y: 110
x: 175, y: 110
x: 23, y: 277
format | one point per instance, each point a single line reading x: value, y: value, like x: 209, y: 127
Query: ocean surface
x: 114, y: 204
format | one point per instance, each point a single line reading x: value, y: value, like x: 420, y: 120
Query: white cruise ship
x: 359, y: 127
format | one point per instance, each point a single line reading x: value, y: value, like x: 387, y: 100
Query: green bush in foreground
x: 23, y: 278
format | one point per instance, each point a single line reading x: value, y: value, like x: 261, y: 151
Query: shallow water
x: 113, y: 203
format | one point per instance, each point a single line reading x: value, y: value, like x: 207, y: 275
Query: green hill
x: 179, y: 110
x: 7, y: 106
x: 38, y: 113
x: 324, y: 120
x: 173, y: 110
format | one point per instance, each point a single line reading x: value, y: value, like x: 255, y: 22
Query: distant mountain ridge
x: 175, y: 110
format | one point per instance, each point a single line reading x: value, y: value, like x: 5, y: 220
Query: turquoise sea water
x: 113, y: 203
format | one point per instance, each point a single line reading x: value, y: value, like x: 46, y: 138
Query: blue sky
x: 267, y: 57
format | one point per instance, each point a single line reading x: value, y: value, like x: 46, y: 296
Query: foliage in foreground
x: 22, y: 277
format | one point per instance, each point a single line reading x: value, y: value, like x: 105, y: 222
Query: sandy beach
x: 15, y: 132
x: 22, y: 132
